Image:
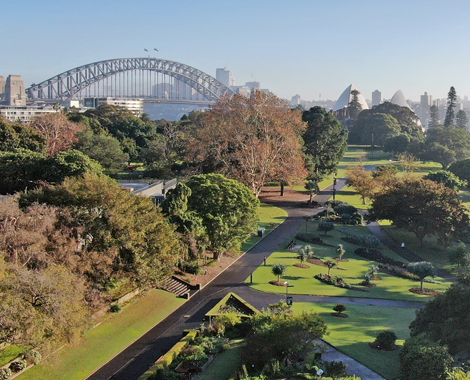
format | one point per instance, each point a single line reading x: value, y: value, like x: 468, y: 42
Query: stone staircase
x: 179, y: 287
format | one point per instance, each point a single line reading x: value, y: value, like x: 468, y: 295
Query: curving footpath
x: 132, y: 362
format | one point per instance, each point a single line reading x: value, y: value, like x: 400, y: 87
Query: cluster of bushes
x: 191, y: 267
x: 28, y: 358
x: 375, y: 255
x: 333, y: 280
x: 193, y: 348
x: 364, y: 240
x: 340, y: 212
x: 311, y: 238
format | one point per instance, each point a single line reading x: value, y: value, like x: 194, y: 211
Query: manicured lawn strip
x: 224, y: 365
x: 267, y: 214
x: 9, y: 353
x: 352, y: 335
x: 390, y: 287
x: 108, y: 339
x: 431, y: 250
x: 464, y: 196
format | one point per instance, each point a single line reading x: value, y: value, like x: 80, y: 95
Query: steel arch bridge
x: 153, y: 79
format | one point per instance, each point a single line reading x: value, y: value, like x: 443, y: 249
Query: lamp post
x: 288, y: 298
x: 334, y: 186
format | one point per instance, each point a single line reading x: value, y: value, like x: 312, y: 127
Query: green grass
x: 9, y: 353
x: 225, y: 364
x: 352, y: 335
x: 108, y: 339
x: 464, y: 196
x: 390, y: 287
x: 267, y: 214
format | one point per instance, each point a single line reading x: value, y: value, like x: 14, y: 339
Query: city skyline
x: 307, y: 48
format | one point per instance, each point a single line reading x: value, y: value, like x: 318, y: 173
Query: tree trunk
x: 216, y: 255
x: 282, y: 189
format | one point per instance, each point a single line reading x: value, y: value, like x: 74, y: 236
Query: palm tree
x: 278, y: 270
x: 330, y: 263
x: 422, y: 269
x: 303, y: 255
x: 340, y: 251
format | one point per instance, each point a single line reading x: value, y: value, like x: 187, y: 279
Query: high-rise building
x: 426, y: 102
x: 225, y: 76
x: 253, y: 85
x: 2, y: 88
x: 15, y: 94
x: 376, y: 98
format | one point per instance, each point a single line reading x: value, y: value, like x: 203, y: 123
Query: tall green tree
x: 447, y: 144
x: 375, y: 128
x: 434, y: 116
x: 325, y: 142
x: 102, y: 147
x: 461, y: 169
x: 17, y: 135
x: 227, y: 208
x: 423, y: 207
x: 446, y: 319
x: 281, y: 335
x: 461, y: 119
x: 451, y: 103
x: 354, y: 105
x: 24, y: 169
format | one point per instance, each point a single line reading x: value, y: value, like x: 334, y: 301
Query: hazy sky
x: 305, y: 47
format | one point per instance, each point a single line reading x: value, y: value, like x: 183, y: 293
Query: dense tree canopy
x: 423, y: 207
x: 446, y: 319
x: 462, y: 170
x: 15, y: 136
x: 103, y: 148
x: 447, y: 178
x: 461, y: 119
x: 375, y: 128
x: 122, y: 232
x: 325, y: 142
x: 252, y: 139
x: 447, y: 144
x: 24, y: 169
x: 227, y: 208
x: 276, y: 336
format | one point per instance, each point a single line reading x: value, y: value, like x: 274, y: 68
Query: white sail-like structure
x: 346, y: 97
x: 399, y: 99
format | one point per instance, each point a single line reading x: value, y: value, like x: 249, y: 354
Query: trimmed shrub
x: 115, y: 308
x: 421, y: 358
x: 190, y: 267
x: 386, y: 339
x: 5, y: 373
x: 32, y: 356
x: 345, y: 209
x: 325, y: 227
x: 335, y: 369
x: 17, y: 365
x: 339, y: 308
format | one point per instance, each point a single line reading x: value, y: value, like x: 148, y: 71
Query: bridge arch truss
x: 147, y: 78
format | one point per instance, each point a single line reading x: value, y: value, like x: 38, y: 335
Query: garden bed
x: 336, y: 281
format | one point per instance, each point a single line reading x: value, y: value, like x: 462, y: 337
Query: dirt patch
x: 425, y: 292
x: 376, y: 346
x: 321, y: 264
x: 367, y: 285
x: 301, y: 265
x: 278, y: 283
x: 340, y: 315
x: 341, y: 260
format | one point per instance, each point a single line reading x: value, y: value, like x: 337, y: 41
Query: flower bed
x: 336, y: 281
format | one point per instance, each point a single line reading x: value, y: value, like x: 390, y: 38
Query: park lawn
x: 352, y: 335
x: 431, y: 251
x: 352, y: 272
x: 225, y: 364
x: 106, y: 340
x: 267, y: 214
x: 9, y: 353
x: 464, y: 196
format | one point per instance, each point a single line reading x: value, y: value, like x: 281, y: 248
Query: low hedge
x: 165, y: 361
